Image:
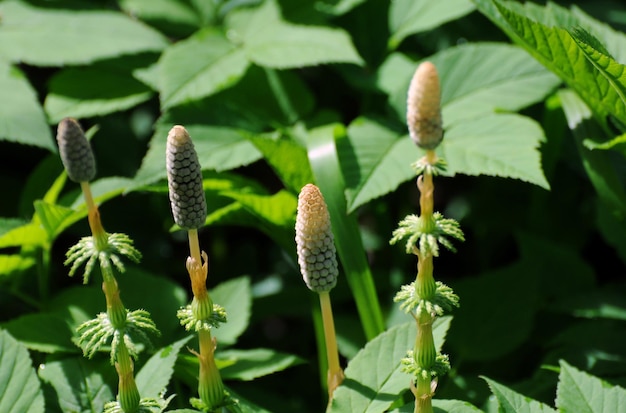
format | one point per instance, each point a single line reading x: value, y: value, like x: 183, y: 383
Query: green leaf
x: 102, y: 190
x: 22, y: 119
x: 81, y: 385
x: 54, y: 37
x: 478, y: 331
x: 505, y: 145
x: 20, y: 391
x: 198, y: 67
x: 512, y: 402
x: 31, y: 234
x: 514, y: 80
x: 169, y: 16
x: 580, y: 392
x: 155, y: 375
x: 270, y: 41
x: 370, y: 161
x: 324, y: 161
x: 218, y: 148
x: 288, y: 159
x: 43, y: 332
x: 598, y: 164
x: 259, y: 362
x: 407, y: 17
x: 443, y: 406
x: 14, y: 263
x: 92, y: 91
x: 54, y: 218
x: 373, y: 377
x: 235, y: 296
x: 597, y: 78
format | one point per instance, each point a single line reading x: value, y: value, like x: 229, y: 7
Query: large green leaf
x: 270, y: 41
x: 374, y: 379
x: 92, y: 91
x: 11, y: 263
x: 514, y: 81
x: 43, y: 332
x: 20, y: 391
x: 169, y: 16
x: 154, y: 376
x: 513, y: 402
x: 375, y: 161
x: 582, y: 393
x: 81, y: 385
x: 218, y: 148
x: 236, y: 298
x: 46, y: 36
x: 22, y: 119
x: 407, y: 17
x: 443, y: 406
x: 592, y: 73
x: 199, y: 66
x: 30, y: 234
x: 251, y: 364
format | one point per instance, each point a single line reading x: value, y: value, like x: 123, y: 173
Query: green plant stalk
x: 210, y: 385
x: 335, y: 372
x: 424, y: 351
x: 128, y: 393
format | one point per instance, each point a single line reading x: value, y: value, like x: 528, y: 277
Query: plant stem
x: 335, y: 373
x: 128, y: 393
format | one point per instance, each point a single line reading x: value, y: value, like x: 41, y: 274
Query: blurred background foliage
x: 540, y: 275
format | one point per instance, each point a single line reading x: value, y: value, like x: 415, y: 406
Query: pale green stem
x: 335, y: 373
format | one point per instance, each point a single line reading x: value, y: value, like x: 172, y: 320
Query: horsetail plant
x: 425, y: 299
x: 189, y: 209
x: 119, y: 325
x: 318, y: 265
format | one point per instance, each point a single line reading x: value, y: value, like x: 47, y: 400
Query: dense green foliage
x: 279, y: 93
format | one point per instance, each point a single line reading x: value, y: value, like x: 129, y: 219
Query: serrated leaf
x: 22, y: 119
x: 52, y: 37
x: 235, y: 296
x: 20, y: 391
x: 218, y: 148
x: 43, y: 332
x: 373, y: 377
x: 198, y: 67
x: 599, y: 80
x: 443, y: 406
x: 81, y: 385
x: 154, y: 376
x: 505, y: 145
x: 580, y: 392
x: 259, y: 362
x: 92, y: 91
x: 514, y: 80
x: 513, y: 402
x: 270, y: 41
x: 407, y: 17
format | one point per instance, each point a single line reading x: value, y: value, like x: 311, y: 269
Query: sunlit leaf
x: 199, y: 66
x: 22, y: 119
x: 235, y: 296
x: 373, y: 377
x: 259, y: 362
x: 268, y: 40
x: 407, y: 17
x: 513, y: 402
x: 20, y: 391
x: 155, y: 375
x: 580, y: 392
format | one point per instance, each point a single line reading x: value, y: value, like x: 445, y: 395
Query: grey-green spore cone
x: 314, y: 240
x: 76, y: 153
x: 184, y: 177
